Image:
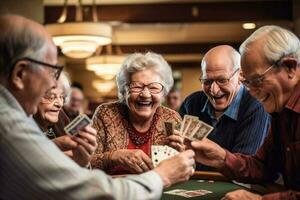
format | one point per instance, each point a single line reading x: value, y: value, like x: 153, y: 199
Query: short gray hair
x: 139, y: 62
x: 18, y: 41
x: 278, y: 43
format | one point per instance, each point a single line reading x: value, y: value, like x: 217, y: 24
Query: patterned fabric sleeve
x: 100, y: 159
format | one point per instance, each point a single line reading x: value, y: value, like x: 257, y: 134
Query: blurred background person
x: 173, y: 99
x: 127, y: 128
x: 75, y: 106
x: 51, y: 118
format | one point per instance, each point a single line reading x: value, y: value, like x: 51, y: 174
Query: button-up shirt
x: 280, y: 153
x: 241, y: 128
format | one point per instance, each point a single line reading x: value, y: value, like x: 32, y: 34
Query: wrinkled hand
x: 241, y: 195
x: 209, y: 153
x: 134, y: 160
x: 176, y: 141
x: 65, y: 143
x: 176, y: 169
x: 87, y: 144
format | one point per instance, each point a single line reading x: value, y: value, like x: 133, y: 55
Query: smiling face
x: 276, y: 87
x: 142, y: 105
x: 51, y: 104
x: 218, y: 65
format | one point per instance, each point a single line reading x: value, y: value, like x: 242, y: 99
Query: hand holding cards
x: 191, y: 128
x: 161, y: 152
x: 77, y: 124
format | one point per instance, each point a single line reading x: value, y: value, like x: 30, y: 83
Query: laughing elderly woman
x: 51, y: 119
x: 127, y: 128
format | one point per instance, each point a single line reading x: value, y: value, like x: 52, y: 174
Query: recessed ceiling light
x: 249, y: 26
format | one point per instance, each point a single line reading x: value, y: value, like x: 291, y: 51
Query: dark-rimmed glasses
x: 137, y: 87
x: 58, y: 68
x: 219, y: 82
x: 257, y: 81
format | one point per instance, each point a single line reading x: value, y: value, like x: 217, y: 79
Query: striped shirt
x: 32, y: 167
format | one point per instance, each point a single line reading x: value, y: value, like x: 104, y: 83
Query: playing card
x: 79, y: 124
x: 194, y: 193
x: 175, y: 192
x: 186, y: 122
x: 73, y: 122
x: 188, y: 193
x: 156, y: 156
x: 189, y: 131
x: 202, y: 131
x: 160, y: 153
x: 168, y: 127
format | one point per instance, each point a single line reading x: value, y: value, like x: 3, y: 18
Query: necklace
x: 139, y: 138
x: 50, y: 133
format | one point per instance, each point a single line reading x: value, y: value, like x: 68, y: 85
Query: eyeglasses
x: 58, y: 68
x: 220, y: 82
x: 257, y: 81
x: 51, y: 97
x: 137, y: 87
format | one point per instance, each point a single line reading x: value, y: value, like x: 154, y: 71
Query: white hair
x: 65, y: 82
x: 278, y: 43
x: 139, y: 62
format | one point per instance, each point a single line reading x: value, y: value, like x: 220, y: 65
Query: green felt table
x: 218, y: 188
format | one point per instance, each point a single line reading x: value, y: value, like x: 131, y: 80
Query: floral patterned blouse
x: 111, y: 122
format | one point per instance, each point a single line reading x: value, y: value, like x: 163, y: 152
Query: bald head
x: 219, y: 55
x: 220, y: 76
x: 21, y: 37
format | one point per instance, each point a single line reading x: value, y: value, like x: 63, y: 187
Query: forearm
x: 242, y: 168
x: 287, y: 195
x: 102, y: 160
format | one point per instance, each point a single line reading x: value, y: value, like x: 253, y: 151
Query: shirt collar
x: 294, y: 101
x: 233, y: 109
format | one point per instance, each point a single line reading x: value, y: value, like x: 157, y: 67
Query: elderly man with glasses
x: 239, y: 120
x: 32, y: 167
x: 271, y: 70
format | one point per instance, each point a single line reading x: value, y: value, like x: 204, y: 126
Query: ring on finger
x: 141, y: 163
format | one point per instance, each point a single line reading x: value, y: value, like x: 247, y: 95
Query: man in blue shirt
x: 239, y: 120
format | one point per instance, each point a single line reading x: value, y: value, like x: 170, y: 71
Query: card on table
x: 188, y: 193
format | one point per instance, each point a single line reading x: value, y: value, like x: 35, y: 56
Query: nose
x: 145, y: 92
x: 214, y: 88
x: 58, y: 102
x: 253, y: 91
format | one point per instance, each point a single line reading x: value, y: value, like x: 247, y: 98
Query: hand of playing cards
x: 77, y: 124
x: 191, y: 128
x: 161, y: 152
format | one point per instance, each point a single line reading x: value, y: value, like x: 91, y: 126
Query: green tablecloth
x: 218, y: 188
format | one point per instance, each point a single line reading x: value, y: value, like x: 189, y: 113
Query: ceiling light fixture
x: 105, y: 66
x: 80, y: 39
x: 104, y: 86
x: 249, y: 26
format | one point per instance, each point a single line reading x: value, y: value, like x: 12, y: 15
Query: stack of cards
x: 161, y: 152
x: 77, y: 124
x: 191, y: 128
x: 188, y: 193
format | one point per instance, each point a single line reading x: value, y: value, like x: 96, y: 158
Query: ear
x: 290, y: 65
x: 18, y: 75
